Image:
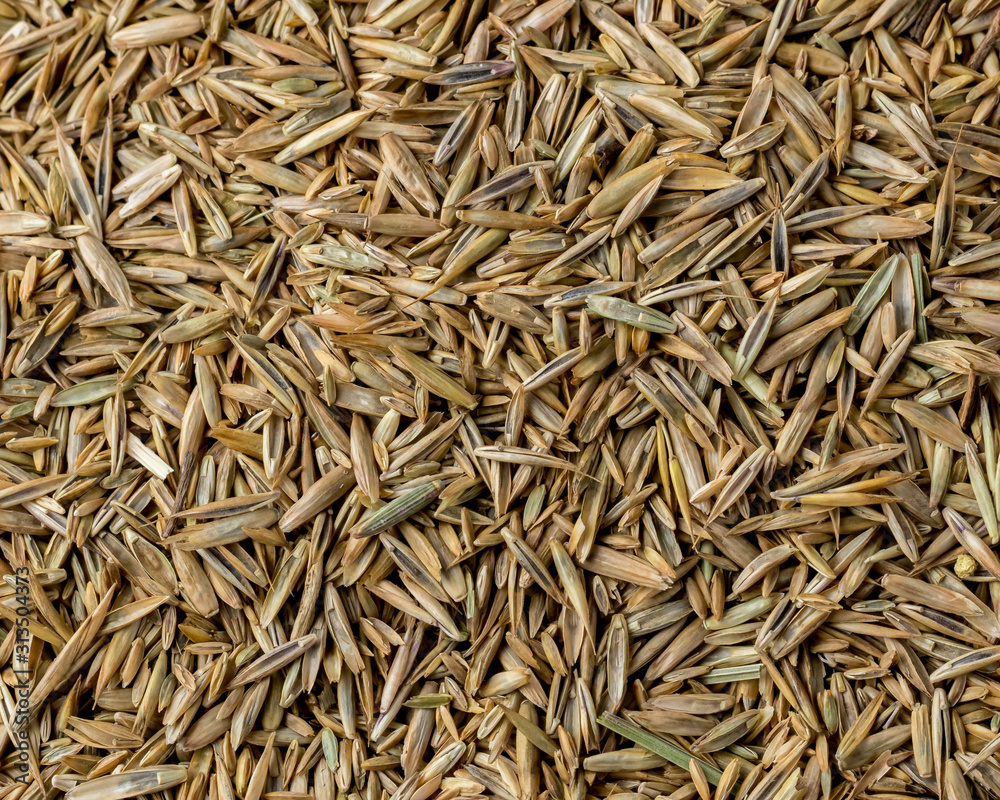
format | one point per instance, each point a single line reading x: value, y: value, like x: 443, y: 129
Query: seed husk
x: 410, y: 400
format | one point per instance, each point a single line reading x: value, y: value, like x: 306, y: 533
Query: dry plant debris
x: 442, y: 399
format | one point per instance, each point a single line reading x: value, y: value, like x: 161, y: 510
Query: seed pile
x: 446, y: 399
